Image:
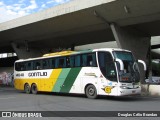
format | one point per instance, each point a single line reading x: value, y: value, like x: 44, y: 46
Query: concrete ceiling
x: 79, y: 24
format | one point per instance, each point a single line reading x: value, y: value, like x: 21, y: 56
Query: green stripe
x: 70, y: 80
x: 61, y: 79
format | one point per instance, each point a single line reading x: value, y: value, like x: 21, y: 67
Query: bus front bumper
x: 124, y: 92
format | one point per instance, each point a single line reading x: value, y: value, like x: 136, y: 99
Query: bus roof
x: 65, y: 53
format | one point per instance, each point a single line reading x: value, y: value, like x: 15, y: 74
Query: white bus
x: 110, y: 72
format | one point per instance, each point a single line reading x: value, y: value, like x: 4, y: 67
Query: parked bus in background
x: 105, y: 71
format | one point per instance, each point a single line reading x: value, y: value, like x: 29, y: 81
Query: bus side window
x: 56, y: 62
x: 84, y: 60
x: 45, y: 64
x: 52, y: 62
x: 62, y: 62
x: 91, y: 60
x: 94, y: 60
x: 77, y: 61
x: 37, y: 65
x: 72, y: 60
x: 19, y: 67
x: 23, y: 68
x: 67, y: 61
x: 28, y: 65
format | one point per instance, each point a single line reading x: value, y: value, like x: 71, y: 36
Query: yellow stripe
x: 63, y: 53
x: 54, y: 77
x: 43, y: 84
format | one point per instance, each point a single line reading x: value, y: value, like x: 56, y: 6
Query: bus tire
x: 34, y: 88
x: 27, y: 88
x: 91, y: 91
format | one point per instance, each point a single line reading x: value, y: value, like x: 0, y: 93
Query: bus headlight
x: 123, y: 87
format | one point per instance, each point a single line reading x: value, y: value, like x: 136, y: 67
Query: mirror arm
x: 144, y: 64
x: 121, y: 63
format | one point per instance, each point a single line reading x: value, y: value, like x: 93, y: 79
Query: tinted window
x: 37, y: 65
x: 84, y: 60
x: 131, y: 70
x: 46, y: 64
x: 28, y: 65
x: 77, y: 61
x: 72, y: 61
x: 89, y: 59
x: 19, y: 66
x: 107, y: 66
x: 60, y: 62
x: 125, y: 56
x: 52, y: 63
x: 81, y: 60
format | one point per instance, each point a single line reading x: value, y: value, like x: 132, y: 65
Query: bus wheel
x: 34, y: 89
x: 27, y: 88
x: 91, y: 92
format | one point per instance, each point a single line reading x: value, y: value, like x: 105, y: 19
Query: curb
x: 150, y: 90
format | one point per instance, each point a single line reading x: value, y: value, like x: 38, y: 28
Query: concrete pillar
x: 134, y: 41
x: 23, y: 52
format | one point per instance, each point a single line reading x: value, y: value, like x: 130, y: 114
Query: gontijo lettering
x: 35, y: 74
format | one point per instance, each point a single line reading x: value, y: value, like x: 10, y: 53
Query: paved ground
x: 13, y: 100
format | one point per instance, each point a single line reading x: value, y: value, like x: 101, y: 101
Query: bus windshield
x: 124, y: 56
x: 131, y: 70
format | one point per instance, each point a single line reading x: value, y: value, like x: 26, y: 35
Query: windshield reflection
x: 131, y: 70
